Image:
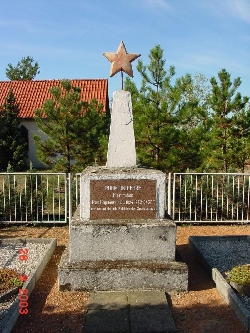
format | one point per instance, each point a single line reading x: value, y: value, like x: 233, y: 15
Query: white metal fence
x: 191, y: 197
x: 34, y: 197
x: 209, y: 197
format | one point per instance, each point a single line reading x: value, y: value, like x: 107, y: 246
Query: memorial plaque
x: 126, y: 198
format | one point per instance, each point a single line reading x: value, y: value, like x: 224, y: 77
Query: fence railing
x: 191, y: 197
x: 209, y: 197
x: 34, y: 197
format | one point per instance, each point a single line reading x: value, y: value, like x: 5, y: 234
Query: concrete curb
x: 229, y: 295
x: 12, y: 315
x: 5, y: 296
x: 223, y: 287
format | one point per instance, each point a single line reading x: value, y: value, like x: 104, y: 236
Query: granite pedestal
x: 119, y: 238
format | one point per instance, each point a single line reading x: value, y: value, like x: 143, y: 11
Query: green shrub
x: 240, y: 275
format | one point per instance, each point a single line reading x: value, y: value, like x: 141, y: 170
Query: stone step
x: 151, y: 239
x: 122, y: 275
x: 129, y: 312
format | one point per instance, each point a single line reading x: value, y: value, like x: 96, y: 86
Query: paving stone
x: 107, y: 321
x: 130, y: 312
x: 107, y: 300
x: 149, y: 312
x: 150, y: 320
x: 148, y: 299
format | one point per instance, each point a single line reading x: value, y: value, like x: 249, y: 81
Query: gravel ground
x: 224, y: 255
x: 9, y: 258
x: 201, y: 310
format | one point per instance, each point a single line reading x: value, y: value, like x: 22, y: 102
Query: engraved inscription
x: 126, y: 198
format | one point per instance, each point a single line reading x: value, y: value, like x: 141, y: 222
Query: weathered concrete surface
x: 103, y: 173
x: 122, y: 275
x: 229, y: 294
x: 8, y: 322
x: 122, y: 240
x: 121, y: 146
x: 134, y: 312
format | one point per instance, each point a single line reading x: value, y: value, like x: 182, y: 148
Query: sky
x: 68, y: 38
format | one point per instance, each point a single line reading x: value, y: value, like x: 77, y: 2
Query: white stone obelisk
x: 121, y: 147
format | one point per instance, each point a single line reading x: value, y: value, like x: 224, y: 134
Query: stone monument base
x: 122, y: 275
x: 123, y: 254
x: 121, y: 239
x: 119, y: 236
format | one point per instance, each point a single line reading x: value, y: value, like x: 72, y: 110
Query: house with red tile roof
x: 31, y: 95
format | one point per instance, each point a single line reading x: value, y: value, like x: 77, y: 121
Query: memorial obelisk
x: 121, y: 147
x: 119, y: 236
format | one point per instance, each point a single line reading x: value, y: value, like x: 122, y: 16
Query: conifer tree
x: 75, y: 130
x: 239, y: 145
x: 24, y: 70
x: 163, y: 117
x: 13, y: 140
x: 226, y: 104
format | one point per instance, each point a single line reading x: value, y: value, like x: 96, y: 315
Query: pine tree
x: 163, y: 117
x: 225, y: 103
x: 239, y: 145
x: 24, y: 70
x: 75, y: 129
x: 13, y: 140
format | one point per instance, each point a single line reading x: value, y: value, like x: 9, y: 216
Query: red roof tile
x: 31, y: 95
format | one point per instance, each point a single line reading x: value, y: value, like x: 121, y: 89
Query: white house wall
x: 33, y: 129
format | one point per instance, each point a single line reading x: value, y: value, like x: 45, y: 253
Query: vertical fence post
x: 248, y: 200
x: 169, y: 193
x: 173, y: 209
x: 70, y: 198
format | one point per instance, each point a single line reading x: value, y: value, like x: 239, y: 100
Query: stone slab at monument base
x: 121, y: 239
x: 119, y: 236
x: 121, y: 275
x: 121, y: 254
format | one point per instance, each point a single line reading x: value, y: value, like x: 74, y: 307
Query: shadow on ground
x: 198, y: 278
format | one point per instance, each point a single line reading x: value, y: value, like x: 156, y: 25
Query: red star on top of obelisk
x: 121, y: 60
